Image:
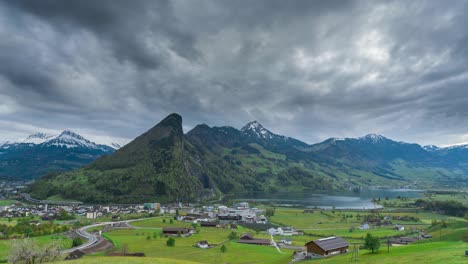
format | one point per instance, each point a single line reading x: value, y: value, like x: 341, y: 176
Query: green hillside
x: 206, y: 161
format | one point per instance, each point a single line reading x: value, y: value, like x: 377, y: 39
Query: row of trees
x: 27, y: 229
x: 452, y: 208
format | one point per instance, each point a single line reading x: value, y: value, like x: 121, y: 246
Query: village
x: 250, y: 225
x: 300, y: 233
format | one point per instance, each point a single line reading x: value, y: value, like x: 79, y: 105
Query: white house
x: 364, y: 226
x: 399, y: 227
x: 286, y: 241
x: 91, y: 215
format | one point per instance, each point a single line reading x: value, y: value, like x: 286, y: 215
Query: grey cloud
x: 307, y: 69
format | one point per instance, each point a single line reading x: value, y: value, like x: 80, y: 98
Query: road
x: 28, y: 198
x: 92, y: 238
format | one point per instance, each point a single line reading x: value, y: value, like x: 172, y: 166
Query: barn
x: 327, y: 246
x: 175, y: 230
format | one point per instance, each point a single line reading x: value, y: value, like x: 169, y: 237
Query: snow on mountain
x: 431, y: 148
x: 37, y: 138
x: 67, y: 139
x: 256, y: 129
x: 70, y: 139
x: 374, y: 138
x: 464, y: 146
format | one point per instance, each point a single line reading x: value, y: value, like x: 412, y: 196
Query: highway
x: 93, y: 239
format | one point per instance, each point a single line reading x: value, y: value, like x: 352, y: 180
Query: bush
x: 232, y: 236
x: 269, y: 212
x: 77, y: 241
x: 170, y: 242
x: 223, y: 249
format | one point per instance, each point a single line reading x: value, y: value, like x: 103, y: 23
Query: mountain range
x: 208, y: 160
x: 42, y: 153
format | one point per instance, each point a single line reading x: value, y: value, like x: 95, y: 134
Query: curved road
x: 92, y: 239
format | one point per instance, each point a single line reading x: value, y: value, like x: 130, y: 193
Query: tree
x: 171, y: 221
x: 372, y: 243
x: 223, y: 249
x: 270, y: 212
x: 124, y: 249
x: 232, y: 235
x: 77, y: 241
x: 164, y: 220
x: 27, y: 251
x: 170, y: 242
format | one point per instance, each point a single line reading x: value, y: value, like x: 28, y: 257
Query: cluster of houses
x: 284, y: 231
x: 376, y: 222
x: 408, y: 240
x: 51, y: 212
x: 11, y: 188
x: 222, y: 216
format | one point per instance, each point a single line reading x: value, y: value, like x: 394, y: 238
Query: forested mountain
x: 165, y: 161
x: 41, y: 153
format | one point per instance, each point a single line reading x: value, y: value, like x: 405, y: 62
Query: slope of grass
x: 7, y: 202
x: 437, y: 252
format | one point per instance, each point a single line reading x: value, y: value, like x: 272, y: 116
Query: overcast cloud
x: 307, y: 69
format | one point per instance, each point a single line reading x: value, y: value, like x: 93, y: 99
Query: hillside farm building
x: 327, y: 246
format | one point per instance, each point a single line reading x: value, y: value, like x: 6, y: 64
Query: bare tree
x: 26, y: 251
x: 124, y: 249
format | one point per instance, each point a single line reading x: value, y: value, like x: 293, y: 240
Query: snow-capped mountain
x: 373, y: 138
x: 37, y: 138
x: 464, y: 146
x: 255, y: 129
x: 42, y: 153
x: 431, y: 148
x: 66, y: 139
x: 70, y: 139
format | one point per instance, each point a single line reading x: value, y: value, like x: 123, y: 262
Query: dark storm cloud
x: 308, y: 69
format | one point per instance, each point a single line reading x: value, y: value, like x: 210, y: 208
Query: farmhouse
x: 229, y: 218
x: 202, y: 244
x: 247, y: 238
x: 208, y: 224
x: 327, y: 246
x: 399, y: 228
x: 404, y: 240
x: 175, y: 230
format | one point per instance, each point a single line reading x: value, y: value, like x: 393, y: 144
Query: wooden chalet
x: 247, y: 238
x: 175, y: 230
x: 404, y: 240
x: 229, y: 217
x: 327, y: 246
x: 208, y: 224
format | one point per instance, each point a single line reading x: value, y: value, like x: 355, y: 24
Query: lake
x: 329, y: 199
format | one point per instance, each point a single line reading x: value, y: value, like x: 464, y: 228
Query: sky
x: 112, y: 69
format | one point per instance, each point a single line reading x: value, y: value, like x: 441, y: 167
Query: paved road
x: 28, y: 198
x: 92, y: 238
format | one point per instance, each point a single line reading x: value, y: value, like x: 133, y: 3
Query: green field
x: 59, y: 198
x: 7, y: 202
x: 437, y: 252
x: 137, y: 241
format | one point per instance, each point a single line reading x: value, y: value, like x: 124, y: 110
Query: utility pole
x: 355, y: 254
